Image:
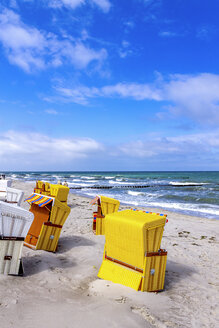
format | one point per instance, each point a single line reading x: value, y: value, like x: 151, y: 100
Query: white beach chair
x: 4, y: 184
x: 14, y: 221
x: 14, y: 196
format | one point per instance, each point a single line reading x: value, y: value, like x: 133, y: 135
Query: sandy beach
x: 62, y: 289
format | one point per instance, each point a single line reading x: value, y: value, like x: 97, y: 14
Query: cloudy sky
x: 109, y: 85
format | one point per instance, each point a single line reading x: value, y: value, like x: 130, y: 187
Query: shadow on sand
x: 176, y: 272
x: 44, y: 261
x: 67, y: 243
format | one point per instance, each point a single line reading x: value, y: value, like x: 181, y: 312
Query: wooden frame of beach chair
x: 10, y: 255
x: 132, y: 254
x: 150, y: 278
x: 105, y: 205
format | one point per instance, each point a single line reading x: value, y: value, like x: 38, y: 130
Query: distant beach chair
x: 105, y: 205
x: 14, y: 196
x: 132, y: 254
x: 40, y: 187
x: 4, y: 184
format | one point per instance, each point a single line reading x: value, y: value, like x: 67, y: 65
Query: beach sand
x: 62, y: 289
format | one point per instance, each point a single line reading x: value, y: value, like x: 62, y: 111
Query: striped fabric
x: 39, y: 200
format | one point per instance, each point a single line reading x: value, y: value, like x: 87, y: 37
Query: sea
x: 192, y: 193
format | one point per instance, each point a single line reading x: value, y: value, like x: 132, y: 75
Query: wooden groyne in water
x: 109, y: 187
x: 133, y: 186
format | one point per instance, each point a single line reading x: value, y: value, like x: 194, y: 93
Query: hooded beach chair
x: 50, y: 214
x: 105, y: 205
x: 14, y: 225
x: 132, y: 254
x: 14, y: 196
x: 40, y: 187
x: 4, y: 184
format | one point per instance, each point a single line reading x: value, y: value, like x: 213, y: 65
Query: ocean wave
x: 87, y: 178
x: 57, y: 177
x: 213, y: 210
x: 176, y: 183
x: 79, y: 184
x: 121, y: 183
x: 107, y: 178
x: 135, y: 193
x: 84, y: 181
x: 128, y: 202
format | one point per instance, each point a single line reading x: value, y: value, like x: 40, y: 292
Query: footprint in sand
x: 121, y: 299
x: 183, y: 234
x: 56, y: 270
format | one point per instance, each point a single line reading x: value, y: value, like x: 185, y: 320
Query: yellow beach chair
x: 132, y: 254
x: 105, y: 205
x: 50, y: 215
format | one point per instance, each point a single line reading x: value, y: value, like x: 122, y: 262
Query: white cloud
x: 168, y: 34
x: 81, y: 56
x: 193, y: 96
x: 22, y: 43
x: 31, y: 49
x: 37, y: 151
x: 24, y: 148
x: 51, y: 111
x: 201, y: 144
x: 77, y: 95
x: 67, y: 3
x: 104, y: 5
x: 132, y: 90
x: 81, y: 94
x: 13, y: 4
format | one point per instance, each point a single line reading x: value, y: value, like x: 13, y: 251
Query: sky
x: 101, y: 85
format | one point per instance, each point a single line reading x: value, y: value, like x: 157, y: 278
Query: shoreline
x: 62, y: 288
x: 186, y: 198
x: 152, y: 208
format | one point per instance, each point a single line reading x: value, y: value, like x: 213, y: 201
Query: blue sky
x: 109, y: 85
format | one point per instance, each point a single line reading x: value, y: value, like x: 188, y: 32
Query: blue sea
x: 193, y: 193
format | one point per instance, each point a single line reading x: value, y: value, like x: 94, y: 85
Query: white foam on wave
x: 78, y: 184
x: 130, y: 202
x: 14, y: 175
x: 107, y: 178
x: 175, y: 183
x: 56, y: 177
x: 205, y: 209
x: 135, y: 193
x: 82, y: 181
x: 90, y: 193
x: 88, y: 178
x: 121, y: 183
